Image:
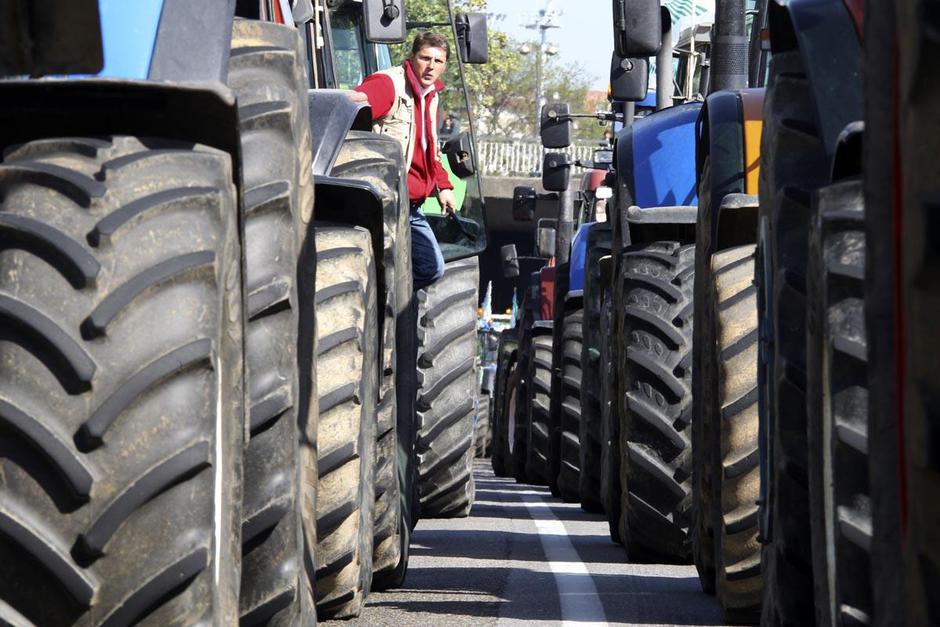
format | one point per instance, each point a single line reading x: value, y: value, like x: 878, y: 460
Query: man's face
x: 429, y: 63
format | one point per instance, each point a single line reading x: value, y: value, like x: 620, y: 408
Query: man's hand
x: 358, y: 96
x: 447, y: 201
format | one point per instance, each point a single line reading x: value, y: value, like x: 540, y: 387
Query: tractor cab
x: 345, y: 45
x: 691, y: 58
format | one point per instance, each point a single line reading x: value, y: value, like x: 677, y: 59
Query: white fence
x: 521, y: 157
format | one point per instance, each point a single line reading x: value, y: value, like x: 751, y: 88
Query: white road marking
x: 577, y: 595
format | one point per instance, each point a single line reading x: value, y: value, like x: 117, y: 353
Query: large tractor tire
x: 447, y: 345
x: 518, y: 410
x: 837, y: 383
x: 482, y: 427
x: 793, y: 164
x: 122, y: 383
x: 728, y: 414
x: 559, y: 294
x: 515, y: 417
x: 539, y: 403
x: 569, y: 475
x: 654, y: 392
x: 589, y: 437
x: 502, y: 457
x: 375, y: 160
x: 704, y: 386
x: 610, y: 421
x: 267, y: 74
x: 347, y: 387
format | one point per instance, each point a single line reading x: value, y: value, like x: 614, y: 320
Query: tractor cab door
x: 344, y: 57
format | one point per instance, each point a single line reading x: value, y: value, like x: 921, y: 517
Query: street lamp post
x: 542, y: 21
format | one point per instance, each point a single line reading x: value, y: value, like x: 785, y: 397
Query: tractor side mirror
x: 472, y: 38
x: 545, y: 241
x: 459, y: 151
x: 523, y: 203
x: 556, y: 171
x: 384, y: 21
x: 555, y: 125
x: 510, y: 261
x: 629, y: 78
x: 637, y: 28
x: 603, y: 157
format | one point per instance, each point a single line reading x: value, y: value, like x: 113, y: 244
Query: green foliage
x: 503, y: 90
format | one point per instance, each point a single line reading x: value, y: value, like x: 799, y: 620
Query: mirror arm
x: 603, y: 116
x: 466, y: 93
x: 410, y: 24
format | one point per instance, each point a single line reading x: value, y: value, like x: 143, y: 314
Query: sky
x: 585, y: 34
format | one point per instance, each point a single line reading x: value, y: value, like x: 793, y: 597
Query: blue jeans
x: 427, y: 262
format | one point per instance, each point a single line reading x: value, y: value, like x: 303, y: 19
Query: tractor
x: 725, y: 474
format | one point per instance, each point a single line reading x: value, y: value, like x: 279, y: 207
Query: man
x: 404, y: 107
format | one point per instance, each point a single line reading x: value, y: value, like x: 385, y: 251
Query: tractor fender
x: 729, y: 137
x: 661, y: 215
x: 203, y: 112
x: 828, y: 42
x: 332, y: 115
x: 579, y: 247
x: 721, y: 140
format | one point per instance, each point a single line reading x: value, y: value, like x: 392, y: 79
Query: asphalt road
x: 524, y: 557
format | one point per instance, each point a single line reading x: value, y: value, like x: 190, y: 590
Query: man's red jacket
x: 426, y: 172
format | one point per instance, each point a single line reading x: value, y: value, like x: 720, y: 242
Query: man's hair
x: 431, y: 39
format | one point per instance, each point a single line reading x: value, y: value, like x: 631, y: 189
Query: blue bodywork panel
x: 128, y: 32
x: 578, y: 255
x: 663, y: 148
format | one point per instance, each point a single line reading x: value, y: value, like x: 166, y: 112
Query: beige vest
x: 399, y: 122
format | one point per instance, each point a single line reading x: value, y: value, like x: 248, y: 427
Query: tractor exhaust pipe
x: 664, y: 87
x: 729, y: 47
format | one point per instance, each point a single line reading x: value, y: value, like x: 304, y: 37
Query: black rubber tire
x: 837, y: 386
x: 559, y: 295
x: 266, y: 72
x: 506, y: 358
x: 704, y: 386
x: 538, y: 401
x: 447, y: 345
x: 482, y: 427
x: 569, y: 475
x: 793, y: 163
x: 518, y: 410
x: 376, y: 160
x: 610, y: 420
x: 347, y: 387
x: 515, y: 416
x: 654, y: 390
x: 122, y: 383
x: 729, y: 423
x: 589, y: 461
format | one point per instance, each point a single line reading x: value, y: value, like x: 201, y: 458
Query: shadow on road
x: 491, y: 568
